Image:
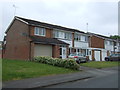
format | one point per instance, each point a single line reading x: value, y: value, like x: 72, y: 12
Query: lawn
x: 16, y: 70
x: 100, y: 64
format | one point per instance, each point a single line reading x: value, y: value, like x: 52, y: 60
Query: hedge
x: 66, y: 63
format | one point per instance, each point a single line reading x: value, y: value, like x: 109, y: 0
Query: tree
x: 115, y: 37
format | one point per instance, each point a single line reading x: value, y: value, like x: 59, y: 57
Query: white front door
x: 97, y: 55
x: 63, y: 52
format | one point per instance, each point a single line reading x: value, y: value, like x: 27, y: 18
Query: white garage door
x: 97, y: 55
x: 43, y: 50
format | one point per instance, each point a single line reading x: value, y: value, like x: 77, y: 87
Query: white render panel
x: 104, y: 54
x: 67, y: 41
x: 81, y: 44
x: 109, y: 47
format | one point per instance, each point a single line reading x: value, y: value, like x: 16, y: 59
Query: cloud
x: 101, y: 16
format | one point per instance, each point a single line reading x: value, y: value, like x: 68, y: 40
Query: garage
x: 97, y: 55
x: 42, y: 50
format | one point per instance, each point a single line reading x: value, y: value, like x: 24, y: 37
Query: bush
x: 66, y: 63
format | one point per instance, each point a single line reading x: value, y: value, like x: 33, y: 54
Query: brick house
x: 27, y: 38
x: 101, y: 46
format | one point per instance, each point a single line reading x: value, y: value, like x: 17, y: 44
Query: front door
x: 63, y: 52
x: 97, y: 55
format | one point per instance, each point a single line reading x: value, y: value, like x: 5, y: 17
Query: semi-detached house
x: 27, y: 38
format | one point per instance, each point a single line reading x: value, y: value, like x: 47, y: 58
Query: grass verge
x: 100, y: 64
x: 16, y: 70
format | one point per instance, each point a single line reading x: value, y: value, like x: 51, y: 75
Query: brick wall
x: 17, y: 46
x: 49, y: 32
x: 56, y: 51
x: 96, y: 42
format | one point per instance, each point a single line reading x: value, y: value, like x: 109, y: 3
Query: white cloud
x: 101, y: 16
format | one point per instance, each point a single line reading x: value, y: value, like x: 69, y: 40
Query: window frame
x: 40, y: 32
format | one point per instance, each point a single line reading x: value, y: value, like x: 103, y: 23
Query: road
x: 103, y: 79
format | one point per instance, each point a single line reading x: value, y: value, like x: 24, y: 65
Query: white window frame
x: 67, y: 35
x: 77, y: 37
x: 56, y: 34
x: 40, y: 31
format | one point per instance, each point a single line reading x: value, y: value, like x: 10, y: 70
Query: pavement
x: 46, y: 81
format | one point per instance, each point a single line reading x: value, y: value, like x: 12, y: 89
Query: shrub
x: 66, y: 63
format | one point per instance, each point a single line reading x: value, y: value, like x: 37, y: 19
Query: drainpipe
x: 29, y: 43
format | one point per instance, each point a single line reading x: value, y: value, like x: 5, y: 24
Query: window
x: 80, y: 37
x: 77, y: 37
x: 40, y: 31
x: 86, y: 38
x: 56, y: 34
x: 68, y: 36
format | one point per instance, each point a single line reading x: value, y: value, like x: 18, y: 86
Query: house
x: 101, y: 46
x: 27, y: 38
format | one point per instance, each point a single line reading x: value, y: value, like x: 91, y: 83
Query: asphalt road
x: 104, y: 80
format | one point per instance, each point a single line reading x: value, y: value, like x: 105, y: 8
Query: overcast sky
x: 102, y: 17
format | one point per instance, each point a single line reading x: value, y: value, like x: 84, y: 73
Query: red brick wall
x: 31, y: 30
x: 96, y: 42
x: 17, y: 46
x: 56, y: 51
x: 49, y: 32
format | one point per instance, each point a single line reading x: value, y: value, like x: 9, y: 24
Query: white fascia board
x: 82, y: 33
x: 40, y: 26
x: 62, y: 30
x: 22, y: 20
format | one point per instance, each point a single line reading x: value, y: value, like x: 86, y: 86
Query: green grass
x: 100, y: 64
x: 16, y: 70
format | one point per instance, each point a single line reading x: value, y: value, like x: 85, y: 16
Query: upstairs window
x: 62, y: 35
x: 81, y: 38
x: 77, y: 37
x: 40, y: 31
x: 56, y: 34
x: 68, y: 36
x: 86, y: 38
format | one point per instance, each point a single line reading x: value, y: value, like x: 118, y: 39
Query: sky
x: 101, y: 15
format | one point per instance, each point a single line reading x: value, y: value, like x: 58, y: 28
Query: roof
x: 38, y: 23
x: 44, y: 40
x: 101, y: 36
